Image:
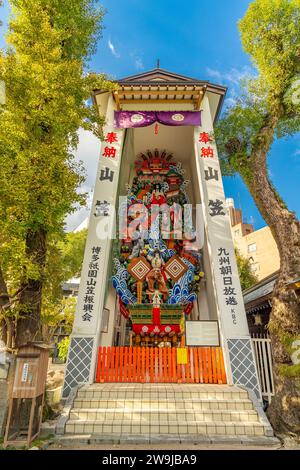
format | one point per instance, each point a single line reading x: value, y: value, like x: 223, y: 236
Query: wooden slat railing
x: 156, y: 365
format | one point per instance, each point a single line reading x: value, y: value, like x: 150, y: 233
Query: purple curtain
x: 128, y: 119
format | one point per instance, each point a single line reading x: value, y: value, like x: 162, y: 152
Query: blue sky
x: 196, y: 38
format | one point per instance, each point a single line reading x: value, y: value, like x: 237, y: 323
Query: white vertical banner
x: 228, y: 293
x: 227, y: 283
x: 82, y: 355
x: 100, y: 233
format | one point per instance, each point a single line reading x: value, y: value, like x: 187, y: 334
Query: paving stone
x: 105, y: 439
x: 165, y: 438
x: 131, y: 439
x: 261, y: 441
x: 224, y: 439
x: 196, y: 439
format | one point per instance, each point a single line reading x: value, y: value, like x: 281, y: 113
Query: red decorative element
x: 155, y: 329
x: 189, y: 257
x: 173, y: 180
x: 123, y: 309
x: 204, y: 137
x: 109, y: 152
x: 156, y: 315
x: 207, y: 152
x: 153, y: 163
x: 161, y: 199
x: 111, y: 137
x: 188, y: 309
x: 156, y: 129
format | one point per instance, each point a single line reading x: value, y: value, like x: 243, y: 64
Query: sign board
x: 105, y: 320
x: 25, y: 372
x: 182, y: 356
x: 202, y: 333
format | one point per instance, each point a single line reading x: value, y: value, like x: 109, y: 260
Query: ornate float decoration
x: 157, y: 272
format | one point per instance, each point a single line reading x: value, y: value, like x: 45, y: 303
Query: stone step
x: 164, y: 404
x: 155, y: 386
x: 155, y: 410
x: 161, y: 395
x: 149, y: 415
x: 171, y: 428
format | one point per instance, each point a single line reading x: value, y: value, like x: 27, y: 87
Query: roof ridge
x: 184, y: 78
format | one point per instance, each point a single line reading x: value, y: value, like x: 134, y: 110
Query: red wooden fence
x: 156, y: 365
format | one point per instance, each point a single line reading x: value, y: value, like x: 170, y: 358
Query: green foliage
x: 48, y: 89
x: 270, y: 33
x: 64, y: 261
x: 286, y: 370
x: 72, y: 251
x: 247, y: 278
x: 269, y: 108
x: 56, y: 311
x: 236, y: 133
x: 63, y: 347
x: 42, y: 440
x: 290, y: 343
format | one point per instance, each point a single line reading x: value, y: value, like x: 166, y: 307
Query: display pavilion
x: 159, y: 271
x: 160, y: 299
x: 160, y: 311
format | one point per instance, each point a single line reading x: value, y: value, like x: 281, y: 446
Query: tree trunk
x: 28, y: 326
x: 4, y: 300
x: 284, y: 324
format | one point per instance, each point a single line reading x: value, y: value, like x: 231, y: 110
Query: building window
x: 255, y: 267
x: 236, y: 233
x: 252, y: 248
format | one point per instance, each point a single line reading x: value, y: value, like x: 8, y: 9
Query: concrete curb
x: 93, y: 439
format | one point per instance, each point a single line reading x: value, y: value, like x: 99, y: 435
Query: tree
x: 48, y: 86
x: 63, y: 347
x: 247, y: 278
x: 63, y: 262
x: 269, y: 108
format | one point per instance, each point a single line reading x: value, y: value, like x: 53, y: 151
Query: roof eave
x: 210, y: 87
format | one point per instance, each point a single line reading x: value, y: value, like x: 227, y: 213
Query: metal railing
x: 263, y: 356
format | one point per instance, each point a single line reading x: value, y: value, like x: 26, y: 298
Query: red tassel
x: 156, y: 129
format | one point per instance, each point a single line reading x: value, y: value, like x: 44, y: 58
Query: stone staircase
x: 156, y: 410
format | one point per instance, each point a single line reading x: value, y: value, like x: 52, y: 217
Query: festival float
x: 157, y: 273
